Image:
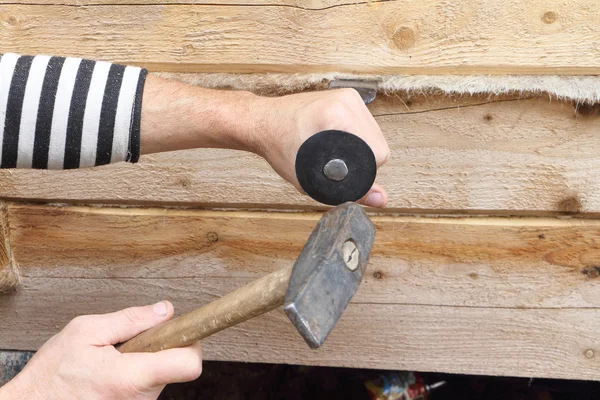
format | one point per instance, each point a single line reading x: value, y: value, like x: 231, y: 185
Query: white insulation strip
x: 581, y: 89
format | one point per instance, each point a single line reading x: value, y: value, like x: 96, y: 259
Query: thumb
x: 122, y: 325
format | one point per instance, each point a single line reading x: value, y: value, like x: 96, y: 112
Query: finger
x: 377, y: 197
x: 122, y: 325
x: 372, y: 134
x: 383, y: 155
x: 380, y: 147
x: 167, y: 366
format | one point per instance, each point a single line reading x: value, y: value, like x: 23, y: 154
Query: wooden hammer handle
x: 247, y: 302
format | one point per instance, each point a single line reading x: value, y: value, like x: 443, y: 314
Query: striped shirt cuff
x: 64, y: 113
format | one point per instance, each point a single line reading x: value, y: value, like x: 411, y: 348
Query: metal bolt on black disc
x: 334, y: 167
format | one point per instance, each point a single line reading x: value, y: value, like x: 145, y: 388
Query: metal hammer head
x: 328, y: 271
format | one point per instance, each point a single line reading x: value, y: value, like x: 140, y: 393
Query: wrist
x: 240, y: 118
x: 15, y: 389
x: 176, y: 116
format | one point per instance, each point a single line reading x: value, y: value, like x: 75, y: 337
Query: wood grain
x: 301, y: 4
x: 529, y: 343
x: 474, y: 155
x: 484, y: 295
x: 487, y: 295
x: 466, y: 262
x: 9, y: 272
x: 413, y: 37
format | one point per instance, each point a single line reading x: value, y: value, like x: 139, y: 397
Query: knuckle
x: 78, y: 324
x: 132, y: 315
x: 336, y: 110
x: 131, y: 386
x: 134, y: 379
x: 193, y: 364
x: 386, y: 156
x: 345, y: 103
x: 348, y: 92
x: 195, y: 369
x: 351, y: 96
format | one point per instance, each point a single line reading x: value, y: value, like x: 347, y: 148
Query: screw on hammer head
x: 328, y: 271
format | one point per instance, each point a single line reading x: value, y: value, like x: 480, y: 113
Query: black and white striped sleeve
x: 64, y: 113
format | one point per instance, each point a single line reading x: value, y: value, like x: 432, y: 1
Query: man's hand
x: 81, y: 362
x: 177, y: 116
x: 295, y: 118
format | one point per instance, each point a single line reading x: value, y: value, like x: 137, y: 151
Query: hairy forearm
x: 63, y: 113
x: 71, y: 113
x: 177, y: 116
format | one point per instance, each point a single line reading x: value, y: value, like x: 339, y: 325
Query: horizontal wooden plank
x: 9, y: 277
x: 468, y: 262
x: 528, y: 343
x: 476, y: 155
x: 413, y: 37
x: 302, y: 4
x: 483, y: 295
x: 532, y: 343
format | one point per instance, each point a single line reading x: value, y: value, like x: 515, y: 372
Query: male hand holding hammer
x: 71, y: 113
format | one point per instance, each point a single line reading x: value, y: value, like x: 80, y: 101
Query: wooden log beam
x: 301, y: 4
x: 546, y: 343
x: 9, y: 271
x: 499, y: 296
x: 475, y: 262
x: 408, y: 37
x: 470, y: 155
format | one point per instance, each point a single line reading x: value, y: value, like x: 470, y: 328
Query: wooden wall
x: 487, y: 260
x: 412, y: 36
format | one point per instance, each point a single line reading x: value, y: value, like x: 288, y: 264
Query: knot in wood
x: 592, y: 272
x: 589, y: 353
x: 404, y: 38
x: 549, y: 17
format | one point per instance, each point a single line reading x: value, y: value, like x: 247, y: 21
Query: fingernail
x: 375, y: 199
x: 160, y: 308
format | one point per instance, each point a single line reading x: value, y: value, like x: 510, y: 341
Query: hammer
x: 314, y: 291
